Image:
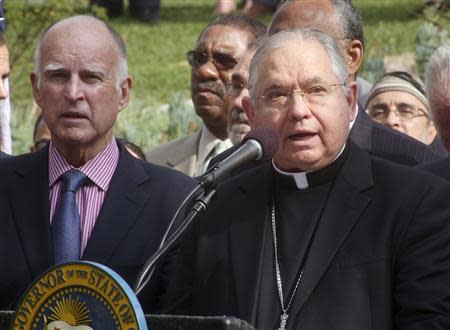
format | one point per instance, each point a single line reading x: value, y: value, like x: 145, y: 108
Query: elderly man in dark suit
x: 340, y: 19
x: 325, y: 236
x: 83, y: 196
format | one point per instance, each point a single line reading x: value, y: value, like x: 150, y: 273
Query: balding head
x: 81, y: 85
x: 75, y: 28
x: 338, y: 18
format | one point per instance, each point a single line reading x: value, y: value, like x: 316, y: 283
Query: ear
x: 35, y: 86
x: 249, y: 109
x: 432, y: 132
x: 125, y: 92
x: 354, y: 52
x: 352, y: 98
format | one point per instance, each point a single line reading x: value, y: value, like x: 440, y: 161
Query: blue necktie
x: 66, y: 231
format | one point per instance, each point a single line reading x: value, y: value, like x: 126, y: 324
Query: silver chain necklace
x: 283, y: 317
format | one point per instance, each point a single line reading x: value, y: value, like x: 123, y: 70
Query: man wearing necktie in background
x: 83, y: 196
x: 324, y: 236
x: 219, y: 48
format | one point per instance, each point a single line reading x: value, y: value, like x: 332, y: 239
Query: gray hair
x: 122, y: 63
x: 284, y: 38
x: 437, y: 78
x: 349, y: 19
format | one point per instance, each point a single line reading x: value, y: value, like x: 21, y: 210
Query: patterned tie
x: 218, y: 148
x: 66, y: 221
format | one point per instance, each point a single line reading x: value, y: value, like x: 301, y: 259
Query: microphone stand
x: 147, y: 270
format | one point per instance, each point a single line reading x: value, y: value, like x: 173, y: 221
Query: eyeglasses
x: 403, y: 111
x: 222, y: 61
x: 234, y: 88
x: 276, y: 100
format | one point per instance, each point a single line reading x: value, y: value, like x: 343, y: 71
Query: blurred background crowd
x: 400, y: 37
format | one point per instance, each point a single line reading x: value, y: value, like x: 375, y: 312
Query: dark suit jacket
x: 140, y: 201
x: 380, y: 258
x: 440, y: 167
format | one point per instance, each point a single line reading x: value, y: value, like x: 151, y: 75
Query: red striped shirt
x: 90, y: 197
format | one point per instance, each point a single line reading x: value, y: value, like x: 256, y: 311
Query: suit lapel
x: 122, y: 204
x: 30, y: 208
x: 361, y: 132
x: 184, y: 158
x: 246, y: 239
x: 345, y: 204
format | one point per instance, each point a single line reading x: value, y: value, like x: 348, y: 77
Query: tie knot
x: 218, y: 148
x: 72, y: 180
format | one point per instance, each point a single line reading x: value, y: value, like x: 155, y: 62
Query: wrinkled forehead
x: 294, y: 63
x: 318, y: 15
x: 224, y: 38
x: 62, y: 46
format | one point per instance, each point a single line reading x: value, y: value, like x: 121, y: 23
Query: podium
x: 166, y: 322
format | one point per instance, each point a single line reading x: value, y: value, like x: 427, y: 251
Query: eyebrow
x: 56, y: 67
x: 313, y: 80
x: 385, y: 105
x: 53, y: 67
x: 276, y: 85
x: 93, y: 72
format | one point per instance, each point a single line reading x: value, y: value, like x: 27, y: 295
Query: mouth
x: 204, y: 91
x: 302, y: 136
x: 208, y: 87
x: 73, y: 116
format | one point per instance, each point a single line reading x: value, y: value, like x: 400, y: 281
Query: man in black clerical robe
x: 324, y: 236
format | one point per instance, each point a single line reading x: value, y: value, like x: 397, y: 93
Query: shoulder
x: 405, y: 181
x: 181, y: 145
x: 382, y: 178
x: 165, y: 174
x: 23, y: 162
x: 439, y: 167
x: 399, y: 147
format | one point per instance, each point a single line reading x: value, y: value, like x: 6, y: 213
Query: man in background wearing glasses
x: 218, y: 50
x: 397, y: 100
x: 325, y: 236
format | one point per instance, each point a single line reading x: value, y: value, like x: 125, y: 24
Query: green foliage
x: 429, y: 38
x: 143, y: 122
x: 182, y: 118
x: 373, y: 69
x: 157, y: 58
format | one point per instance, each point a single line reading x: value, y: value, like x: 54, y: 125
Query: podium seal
x: 79, y: 296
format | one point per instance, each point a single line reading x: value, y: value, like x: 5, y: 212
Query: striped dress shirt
x: 89, y: 198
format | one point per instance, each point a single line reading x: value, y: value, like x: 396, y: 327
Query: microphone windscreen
x: 267, y: 138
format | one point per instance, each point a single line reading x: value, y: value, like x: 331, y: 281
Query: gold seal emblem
x: 79, y: 296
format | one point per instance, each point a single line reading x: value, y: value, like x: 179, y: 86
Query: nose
x: 3, y: 89
x: 73, y: 89
x: 206, y: 71
x: 236, y: 101
x: 298, y: 108
x: 392, y: 120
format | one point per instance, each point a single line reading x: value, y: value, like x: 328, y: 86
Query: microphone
x: 258, y: 144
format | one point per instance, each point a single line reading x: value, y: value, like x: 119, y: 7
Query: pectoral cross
x: 283, y: 321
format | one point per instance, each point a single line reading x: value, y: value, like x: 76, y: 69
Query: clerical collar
x: 304, y: 180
